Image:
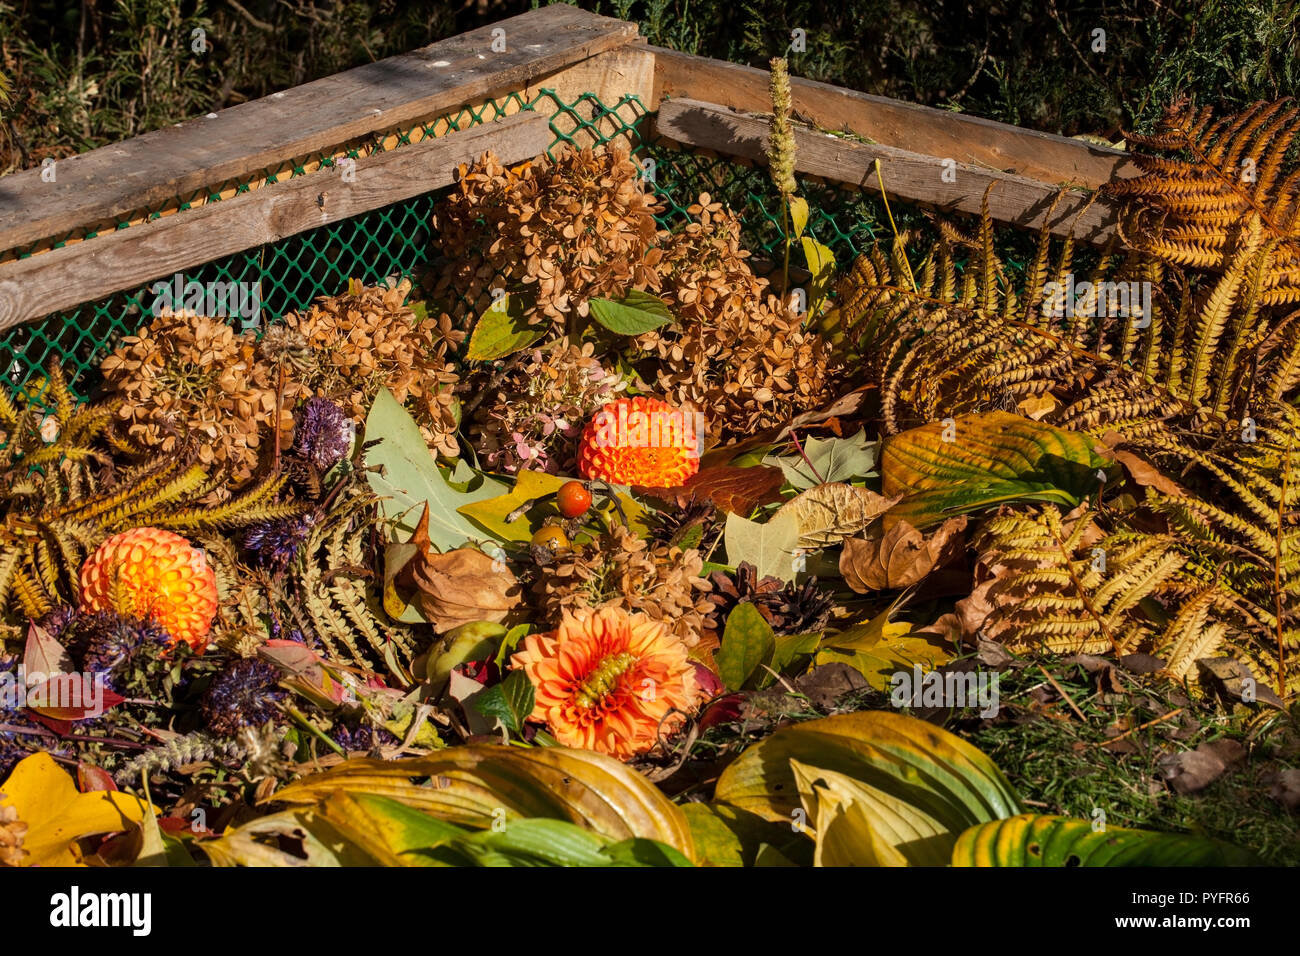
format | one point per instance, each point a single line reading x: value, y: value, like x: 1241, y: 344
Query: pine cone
x: 745, y: 586
x: 798, y: 608
x: 695, y: 525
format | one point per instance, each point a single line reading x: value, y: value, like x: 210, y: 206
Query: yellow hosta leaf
x: 897, y: 832
x: 480, y: 783
x: 983, y: 460
x: 909, y: 759
x: 57, y: 814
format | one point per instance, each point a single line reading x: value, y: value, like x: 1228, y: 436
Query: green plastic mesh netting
x: 397, y: 239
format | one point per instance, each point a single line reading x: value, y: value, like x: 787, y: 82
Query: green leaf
x: 747, y: 644
x: 490, y: 514
x: 979, y: 461
x: 790, y: 648
x: 1032, y: 839
x: 410, y: 477
x: 642, y: 852
x: 798, y: 215
x: 510, y: 701
x: 502, y: 329
x: 769, y: 547
x: 834, y: 459
x: 821, y: 263
x: 635, y: 313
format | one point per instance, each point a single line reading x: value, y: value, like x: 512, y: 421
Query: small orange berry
x: 573, y: 499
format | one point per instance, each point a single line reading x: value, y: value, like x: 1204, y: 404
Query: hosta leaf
x: 906, y: 758
x: 473, y: 785
x: 897, y: 832
x: 1039, y: 840
x: 635, y: 313
x: 993, y: 458
x: 502, y: 329
x: 410, y: 478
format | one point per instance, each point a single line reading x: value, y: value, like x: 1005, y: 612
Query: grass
x: 1056, y: 761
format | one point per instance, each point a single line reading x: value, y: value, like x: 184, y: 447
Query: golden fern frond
x: 1068, y: 587
x: 1238, y: 168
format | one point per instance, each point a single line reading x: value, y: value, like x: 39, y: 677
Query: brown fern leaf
x: 1190, y: 208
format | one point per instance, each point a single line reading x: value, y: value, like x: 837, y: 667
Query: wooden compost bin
x: 169, y: 201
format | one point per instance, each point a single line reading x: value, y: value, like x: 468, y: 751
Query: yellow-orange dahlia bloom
x: 641, y: 441
x: 151, y: 573
x: 606, y: 680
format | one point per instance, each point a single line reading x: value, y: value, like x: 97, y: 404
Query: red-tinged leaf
x: 707, y: 680
x: 733, y: 490
x: 722, y: 711
x: 43, y: 655
x: 60, y: 727
x: 72, y: 697
x: 93, y: 778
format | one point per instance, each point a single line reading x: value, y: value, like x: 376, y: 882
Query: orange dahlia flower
x: 641, y: 441
x: 607, y: 679
x: 151, y: 573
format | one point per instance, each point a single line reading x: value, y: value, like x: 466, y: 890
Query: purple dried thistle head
x: 324, y: 434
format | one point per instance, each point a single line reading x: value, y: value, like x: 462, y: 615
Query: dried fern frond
x: 1061, y: 584
x: 1223, y: 172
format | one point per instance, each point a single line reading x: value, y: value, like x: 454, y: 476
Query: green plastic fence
x: 397, y: 239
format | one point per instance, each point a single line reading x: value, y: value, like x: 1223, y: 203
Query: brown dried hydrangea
x: 533, y: 416
x: 366, y: 339
x: 192, y: 376
x: 735, y: 351
x: 623, y: 570
x: 187, y: 376
x: 560, y: 231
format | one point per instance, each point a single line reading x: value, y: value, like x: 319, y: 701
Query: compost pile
x: 602, y: 506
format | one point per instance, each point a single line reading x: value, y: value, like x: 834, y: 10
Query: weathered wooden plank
x: 1054, y: 160
x: 1017, y: 199
x: 152, y: 168
x: 87, y: 271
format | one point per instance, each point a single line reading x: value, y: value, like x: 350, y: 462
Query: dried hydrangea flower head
x: 564, y: 230
x: 609, y: 681
x: 368, y: 338
x: 185, y: 375
x: 621, y: 570
x: 735, y: 349
x: 533, y: 417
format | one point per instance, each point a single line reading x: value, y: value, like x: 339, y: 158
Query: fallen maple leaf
x: 901, y: 557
